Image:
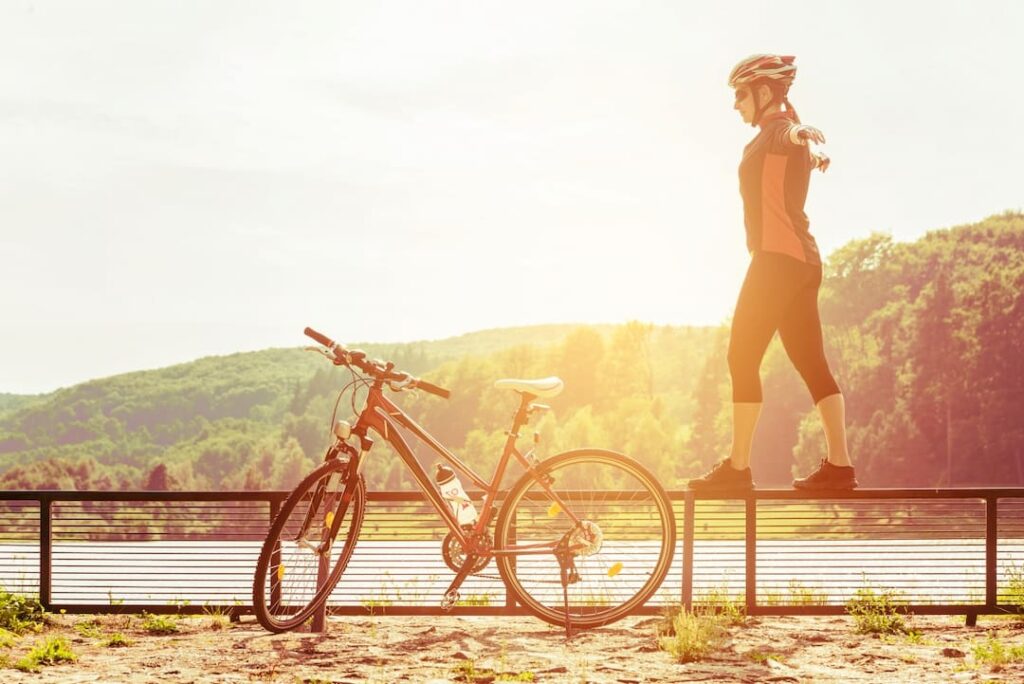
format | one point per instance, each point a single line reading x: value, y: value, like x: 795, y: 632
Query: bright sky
x: 179, y: 179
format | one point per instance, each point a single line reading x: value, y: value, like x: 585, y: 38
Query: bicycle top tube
x: 381, y: 415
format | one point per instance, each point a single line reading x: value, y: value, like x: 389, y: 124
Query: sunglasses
x: 741, y: 94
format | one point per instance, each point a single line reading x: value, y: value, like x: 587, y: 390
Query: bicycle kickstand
x: 569, y: 575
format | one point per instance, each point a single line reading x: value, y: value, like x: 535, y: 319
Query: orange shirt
x: 774, y: 176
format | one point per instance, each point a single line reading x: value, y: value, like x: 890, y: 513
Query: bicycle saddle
x: 545, y: 387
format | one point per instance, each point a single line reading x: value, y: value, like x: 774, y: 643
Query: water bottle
x: 455, y: 495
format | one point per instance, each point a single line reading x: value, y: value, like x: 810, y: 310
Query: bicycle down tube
x: 380, y: 415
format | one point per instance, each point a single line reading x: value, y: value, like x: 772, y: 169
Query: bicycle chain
x: 499, y: 577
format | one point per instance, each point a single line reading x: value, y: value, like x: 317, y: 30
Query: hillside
x: 9, y: 403
x: 205, y: 420
x: 923, y: 337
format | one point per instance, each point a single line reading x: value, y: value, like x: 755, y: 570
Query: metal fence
x: 781, y: 552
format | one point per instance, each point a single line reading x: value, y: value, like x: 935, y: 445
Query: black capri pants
x: 779, y: 293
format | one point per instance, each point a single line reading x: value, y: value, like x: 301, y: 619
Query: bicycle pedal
x: 449, y: 600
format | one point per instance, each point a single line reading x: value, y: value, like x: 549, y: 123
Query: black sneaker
x: 828, y: 476
x: 723, y: 477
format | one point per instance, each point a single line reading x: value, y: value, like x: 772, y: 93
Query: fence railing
x: 780, y: 552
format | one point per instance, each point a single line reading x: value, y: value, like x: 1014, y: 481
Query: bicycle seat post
x: 522, y: 415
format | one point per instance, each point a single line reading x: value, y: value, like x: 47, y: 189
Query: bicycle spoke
x: 300, y: 563
x: 621, y: 547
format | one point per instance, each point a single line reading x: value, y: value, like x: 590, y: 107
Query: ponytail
x: 790, y: 108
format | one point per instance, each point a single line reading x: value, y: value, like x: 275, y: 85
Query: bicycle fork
x: 329, y: 527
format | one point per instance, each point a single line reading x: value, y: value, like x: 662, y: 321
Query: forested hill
x: 10, y: 403
x: 244, y: 420
x: 924, y: 338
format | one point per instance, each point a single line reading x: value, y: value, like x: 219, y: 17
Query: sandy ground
x: 476, y: 649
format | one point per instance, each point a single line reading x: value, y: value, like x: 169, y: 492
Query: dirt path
x: 472, y: 649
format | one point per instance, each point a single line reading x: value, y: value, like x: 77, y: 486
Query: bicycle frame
x: 384, y: 417
x: 566, y: 532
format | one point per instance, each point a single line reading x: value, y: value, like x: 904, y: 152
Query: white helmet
x: 778, y: 69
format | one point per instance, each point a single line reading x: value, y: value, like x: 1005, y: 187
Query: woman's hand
x: 821, y: 161
x: 801, y: 134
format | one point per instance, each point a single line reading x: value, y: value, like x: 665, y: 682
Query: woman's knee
x: 745, y: 373
x: 819, y: 380
x: 826, y: 387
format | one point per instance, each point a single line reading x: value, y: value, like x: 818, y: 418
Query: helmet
x: 779, y: 70
x: 775, y: 71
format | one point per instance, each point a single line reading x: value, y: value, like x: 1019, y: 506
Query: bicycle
x: 581, y: 539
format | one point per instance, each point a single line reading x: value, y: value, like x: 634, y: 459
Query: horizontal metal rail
x: 778, y: 552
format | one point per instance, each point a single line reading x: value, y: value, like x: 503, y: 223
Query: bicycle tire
x: 630, y: 562
x: 282, y: 613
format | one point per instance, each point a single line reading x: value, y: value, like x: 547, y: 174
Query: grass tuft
x: 218, y: 623
x: 875, y: 612
x: 90, y: 629
x: 690, y: 635
x: 474, y: 600
x: 1013, y: 591
x: 117, y: 640
x: 729, y: 608
x: 20, y: 614
x: 802, y: 595
x: 468, y: 673
x: 52, y: 651
x: 159, y: 624
x: 7, y: 639
x: 995, y: 654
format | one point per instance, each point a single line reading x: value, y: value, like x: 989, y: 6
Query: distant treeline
x: 924, y: 339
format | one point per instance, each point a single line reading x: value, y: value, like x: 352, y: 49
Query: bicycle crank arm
x: 451, y: 594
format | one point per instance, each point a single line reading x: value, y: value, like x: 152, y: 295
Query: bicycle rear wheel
x: 300, y: 564
x: 621, y: 543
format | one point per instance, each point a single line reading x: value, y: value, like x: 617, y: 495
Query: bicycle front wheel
x: 301, y: 563
x: 615, y: 525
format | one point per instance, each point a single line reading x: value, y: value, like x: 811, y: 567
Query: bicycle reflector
x: 615, y: 569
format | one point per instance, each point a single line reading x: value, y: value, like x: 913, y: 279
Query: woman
x: 780, y: 291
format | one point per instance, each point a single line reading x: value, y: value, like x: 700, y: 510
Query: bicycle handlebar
x: 432, y: 389
x: 319, y: 337
x: 377, y: 370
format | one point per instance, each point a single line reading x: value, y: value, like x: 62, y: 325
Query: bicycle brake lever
x: 403, y: 384
x: 323, y: 352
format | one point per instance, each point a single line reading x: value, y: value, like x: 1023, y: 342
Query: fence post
x: 750, y: 539
x: 45, y: 553
x: 991, y: 552
x: 322, y: 572
x: 689, y: 513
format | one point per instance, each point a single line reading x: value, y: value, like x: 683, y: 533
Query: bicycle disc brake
x: 454, y: 555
